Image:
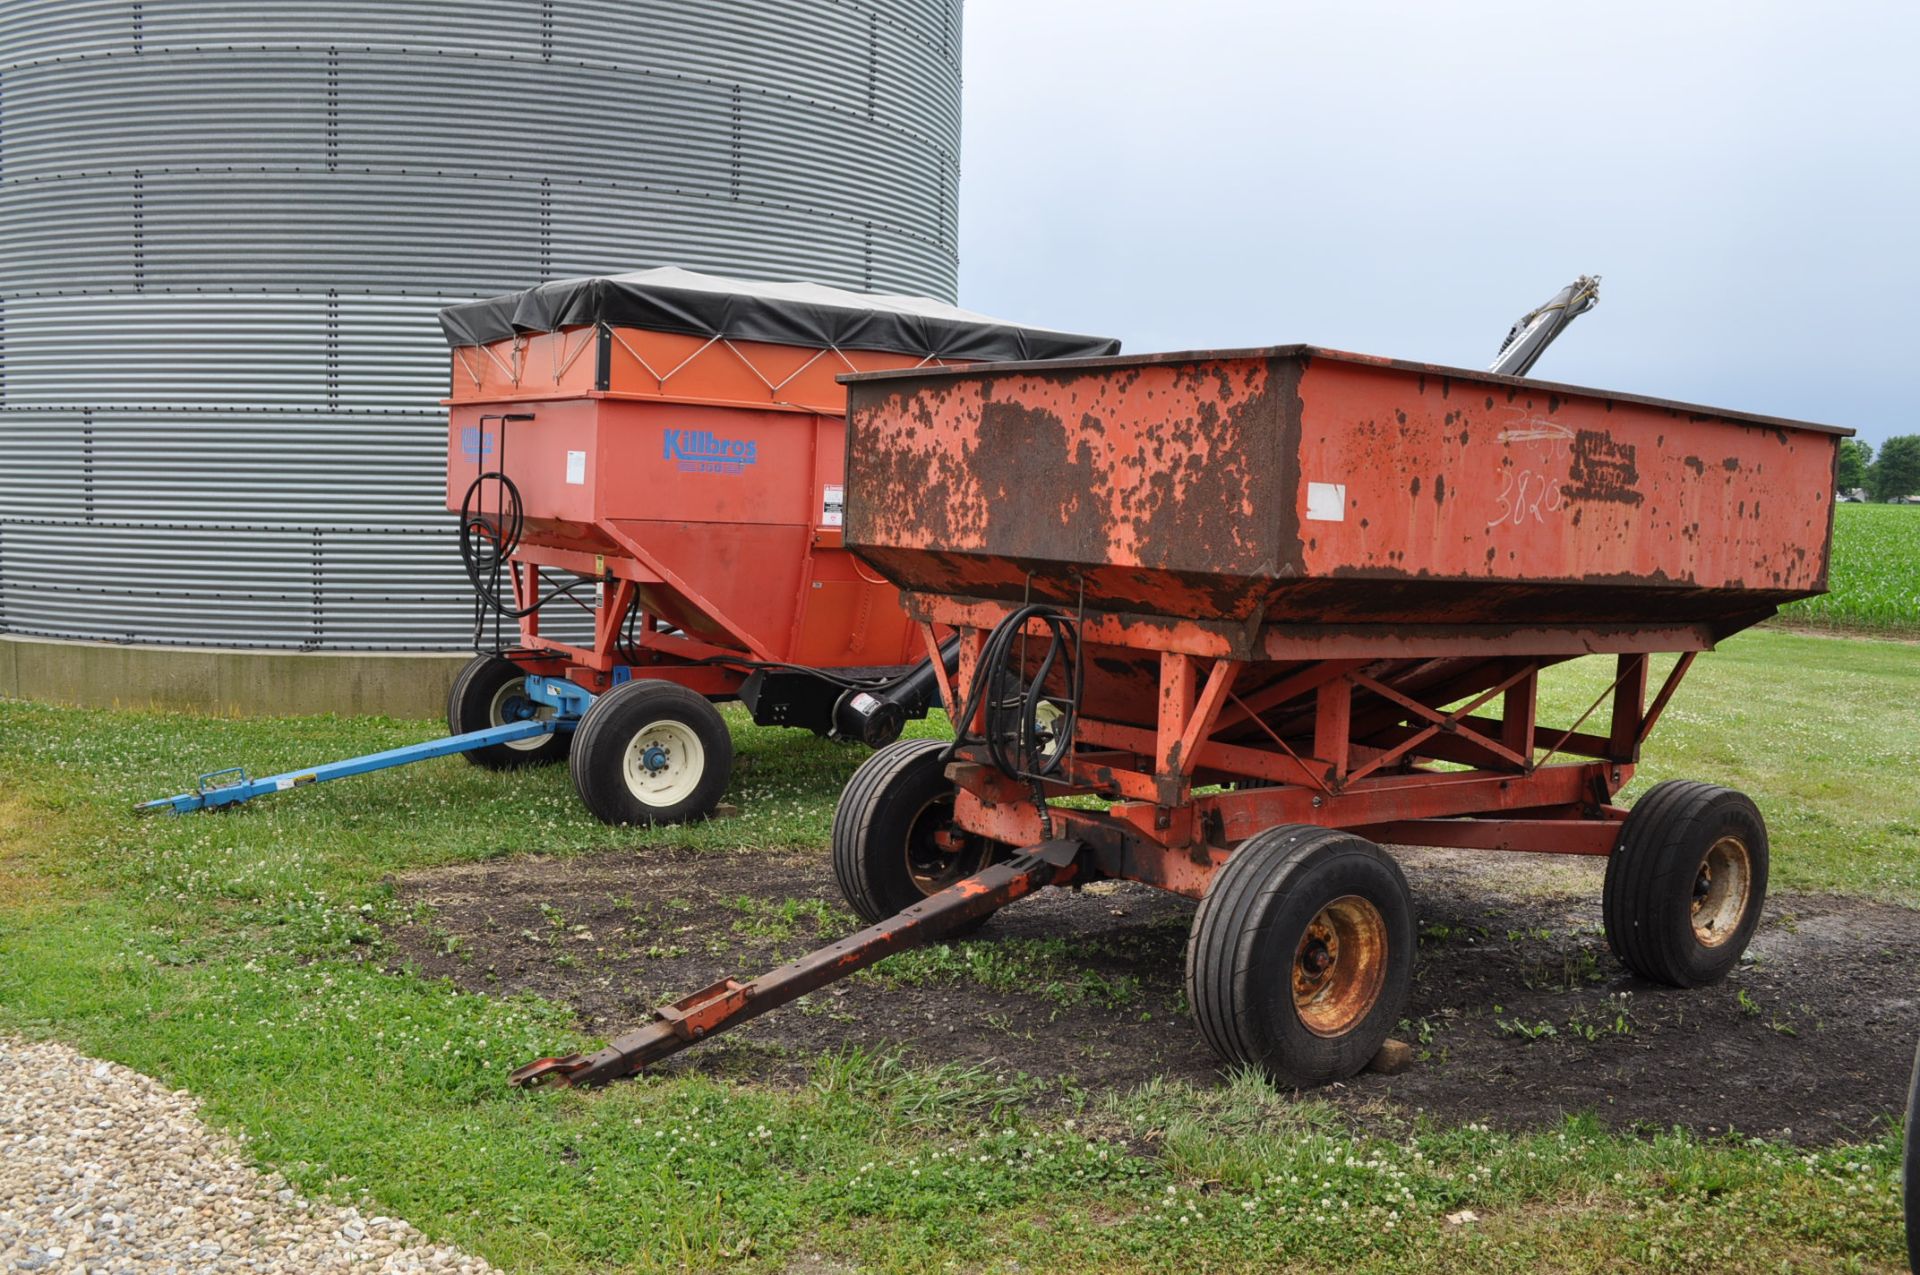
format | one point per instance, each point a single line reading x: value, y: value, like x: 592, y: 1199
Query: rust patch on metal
x: 1603, y: 469
x: 1168, y: 486
x: 1032, y: 485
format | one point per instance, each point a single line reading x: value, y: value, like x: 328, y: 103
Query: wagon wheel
x: 1686, y: 883
x: 1301, y: 955
x: 894, y: 839
x: 651, y: 752
x: 491, y: 691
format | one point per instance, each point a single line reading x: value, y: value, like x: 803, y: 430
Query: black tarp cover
x: 670, y: 299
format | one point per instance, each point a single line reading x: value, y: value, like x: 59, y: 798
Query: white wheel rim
x: 663, y: 763
x: 1045, y: 714
x: 509, y: 691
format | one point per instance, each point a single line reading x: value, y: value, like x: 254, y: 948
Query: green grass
x: 1821, y: 732
x: 1874, y: 581
x: 1046, y: 968
x: 239, y: 955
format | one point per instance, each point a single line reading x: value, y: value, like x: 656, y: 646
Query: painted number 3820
x: 1524, y: 493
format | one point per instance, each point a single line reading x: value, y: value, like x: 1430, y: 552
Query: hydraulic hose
x: 488, y: 543
x: 1018, y: 742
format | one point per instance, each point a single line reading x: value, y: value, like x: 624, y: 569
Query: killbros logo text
x: 701, y: 451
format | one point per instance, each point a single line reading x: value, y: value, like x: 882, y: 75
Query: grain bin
x: 226, y: 229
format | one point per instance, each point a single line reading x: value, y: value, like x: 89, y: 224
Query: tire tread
x: 598, y: 784
x: 1244, y: 900
x: 1654, y: 862
x: 854, y: 815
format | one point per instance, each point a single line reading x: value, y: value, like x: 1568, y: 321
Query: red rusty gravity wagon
x: 1262, y: 611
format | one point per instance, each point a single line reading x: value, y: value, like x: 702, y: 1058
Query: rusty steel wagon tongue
x: 730, y: 1002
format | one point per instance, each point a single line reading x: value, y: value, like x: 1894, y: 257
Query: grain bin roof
x: 670, y: 299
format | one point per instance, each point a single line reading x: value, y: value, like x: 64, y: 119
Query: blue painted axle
x: 231, y: 786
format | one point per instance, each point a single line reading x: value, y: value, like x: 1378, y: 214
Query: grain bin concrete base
x: 249, y: 683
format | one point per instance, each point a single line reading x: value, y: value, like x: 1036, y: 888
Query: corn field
x: 1874, y: 584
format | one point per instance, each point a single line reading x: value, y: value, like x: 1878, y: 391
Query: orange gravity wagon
x: 649, y: 472
x: 661, y: 456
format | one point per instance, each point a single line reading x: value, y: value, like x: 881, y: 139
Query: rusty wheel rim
x: 1339, y: 966
x: 1721, y: 888
x: 938, y: 853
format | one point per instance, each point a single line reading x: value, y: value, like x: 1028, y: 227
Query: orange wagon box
x: 659, y: 459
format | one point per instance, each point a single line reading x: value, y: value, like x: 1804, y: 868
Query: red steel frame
x: 1335, y: 742
x: 661, y: 654
x: 1364, y: 762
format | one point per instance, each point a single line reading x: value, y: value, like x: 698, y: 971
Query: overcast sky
x: 1407, y: 179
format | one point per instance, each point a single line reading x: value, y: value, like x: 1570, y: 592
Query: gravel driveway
x: 104, y: 1169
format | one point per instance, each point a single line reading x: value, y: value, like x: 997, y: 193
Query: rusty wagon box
x: 1309, y: 486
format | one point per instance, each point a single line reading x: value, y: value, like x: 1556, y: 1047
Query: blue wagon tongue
x: 232, y: 786
x: 730, y: 1002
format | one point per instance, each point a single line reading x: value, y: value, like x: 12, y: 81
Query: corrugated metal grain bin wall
x: 225, y: 229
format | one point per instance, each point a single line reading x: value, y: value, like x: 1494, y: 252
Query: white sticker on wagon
x: 833, y: 506
x: 577, y: 468
x: 1326, y: 502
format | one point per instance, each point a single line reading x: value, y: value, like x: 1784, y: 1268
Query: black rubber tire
x: 1249, y: 930
x: 897, y: 798
x: 614, y: 721
x: 471, y: 705
x: 1910, y: 1168
x: 1648, y: 901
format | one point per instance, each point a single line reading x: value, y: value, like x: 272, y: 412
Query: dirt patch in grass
x: 1519, y: 1013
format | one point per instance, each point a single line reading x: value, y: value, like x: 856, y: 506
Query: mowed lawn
x: 240, y: 955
